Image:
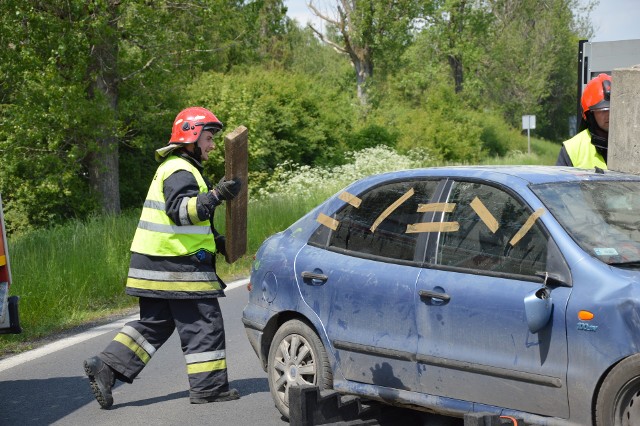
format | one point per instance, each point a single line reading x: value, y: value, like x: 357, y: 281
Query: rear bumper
x: 255, y: 319
x: 254, y: 334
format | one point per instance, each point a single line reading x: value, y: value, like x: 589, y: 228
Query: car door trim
x: 366, y: 349
x: 488, y: 370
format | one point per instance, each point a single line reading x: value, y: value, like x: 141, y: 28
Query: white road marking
x: 14, y: 361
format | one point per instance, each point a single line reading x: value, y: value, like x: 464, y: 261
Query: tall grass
x: 69, y: 275
x: 73, y: 274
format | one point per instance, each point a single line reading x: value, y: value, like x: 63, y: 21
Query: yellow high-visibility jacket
x: 170, y: 260
x: 583, y: 153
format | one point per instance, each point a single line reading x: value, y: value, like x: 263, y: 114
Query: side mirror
x: 537, y: 307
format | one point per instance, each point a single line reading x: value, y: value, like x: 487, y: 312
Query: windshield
x: 603, y: 217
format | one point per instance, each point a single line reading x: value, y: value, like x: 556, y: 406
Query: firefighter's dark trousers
x: 201, y: 330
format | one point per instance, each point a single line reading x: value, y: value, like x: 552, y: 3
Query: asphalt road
x: 48, y: 386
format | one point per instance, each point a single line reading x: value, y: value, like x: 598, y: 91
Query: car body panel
x: 471, y: 348
x: 353, y: 304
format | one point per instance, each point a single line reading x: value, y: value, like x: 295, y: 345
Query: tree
x: 368, y: 32
x: 514, y: 56
x: 103, y: 78
x: 78, y: 78
x: 459, y: 30
x: 533, y: 60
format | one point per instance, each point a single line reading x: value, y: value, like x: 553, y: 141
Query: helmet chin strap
x: 197, y: 152
x: 599, y: 137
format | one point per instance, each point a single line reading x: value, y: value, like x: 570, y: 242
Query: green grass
x: 75, y: 274
x: 542, y: 153
x: 69, y: 275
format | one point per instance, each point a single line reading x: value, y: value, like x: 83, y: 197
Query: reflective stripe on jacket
x: 170, y: 260
x: 583, y: 153
x: 157, y: 235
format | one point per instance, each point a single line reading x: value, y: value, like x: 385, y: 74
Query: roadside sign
x: 528, y: 123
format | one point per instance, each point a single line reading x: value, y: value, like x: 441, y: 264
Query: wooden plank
x: 236, y: 166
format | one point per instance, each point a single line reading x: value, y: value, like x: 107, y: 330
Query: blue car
x: 513, y: 290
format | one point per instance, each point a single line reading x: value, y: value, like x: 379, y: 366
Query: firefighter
x: 588, y: 149
x: 172, y: 270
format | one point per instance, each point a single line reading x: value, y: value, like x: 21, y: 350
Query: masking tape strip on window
x: 350, y: 199
x: 392, y: 208
x: 327, y: 221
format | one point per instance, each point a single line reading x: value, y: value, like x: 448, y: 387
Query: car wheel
x: 618, y: 401
x: 296, y: 357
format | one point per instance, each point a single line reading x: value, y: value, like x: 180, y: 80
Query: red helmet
x: 190, y: 122
x: 596, y: 95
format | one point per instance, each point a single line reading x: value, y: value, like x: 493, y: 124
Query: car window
x: 496, y: 232
x: 376, y: 222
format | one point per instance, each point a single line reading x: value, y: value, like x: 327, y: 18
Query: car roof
x: 528, y: 174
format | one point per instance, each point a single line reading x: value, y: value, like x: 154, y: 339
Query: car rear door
x: 358, y: 274
x: 474, y: 343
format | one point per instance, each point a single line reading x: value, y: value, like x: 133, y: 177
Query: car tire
x: 296, y: 357
x: 618, y: 402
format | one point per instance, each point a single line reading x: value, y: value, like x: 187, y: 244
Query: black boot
x: 229, y: 395
x: 102, y: 380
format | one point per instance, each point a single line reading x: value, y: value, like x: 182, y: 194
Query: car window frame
x: 421, y: 243
x: 434, y: 242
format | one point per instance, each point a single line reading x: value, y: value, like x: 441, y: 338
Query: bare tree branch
x: 335, y: 46
x: 180, y: 52
x: 322, y: 15
x: 147, y: 65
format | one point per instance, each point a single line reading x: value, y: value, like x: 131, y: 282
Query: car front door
x: 474, y: 343
x: 358, y: 274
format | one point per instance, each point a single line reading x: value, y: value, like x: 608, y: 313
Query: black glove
x: 221, y: 244
x: 227, y: 189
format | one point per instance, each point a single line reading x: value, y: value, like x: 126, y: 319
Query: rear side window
x: 375, y: 223
x: 496, y: 232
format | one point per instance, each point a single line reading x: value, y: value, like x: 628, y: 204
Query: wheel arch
x: 594, y: 395
x: 601, y: 380
x: 272, y: 327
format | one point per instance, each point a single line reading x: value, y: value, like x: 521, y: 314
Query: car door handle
x: 315, y: 278
x: 426, y: 294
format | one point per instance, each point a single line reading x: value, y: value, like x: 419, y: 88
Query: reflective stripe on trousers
x: 201, y: 329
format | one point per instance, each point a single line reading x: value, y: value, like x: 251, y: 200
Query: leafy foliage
x: 446, y: 126
x: 371, y: 33
x: 537, y: 46
x: 82, y: 78
x: 289, y: 116
x: 89, y: 88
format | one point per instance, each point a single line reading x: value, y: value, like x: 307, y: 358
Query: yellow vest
x: 156, y: 234
x: 583, y: 153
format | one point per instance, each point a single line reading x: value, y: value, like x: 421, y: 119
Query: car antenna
x: 599, y: 170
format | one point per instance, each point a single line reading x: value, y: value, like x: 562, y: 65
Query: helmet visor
x: 603, y: 105
x: 212, y: 127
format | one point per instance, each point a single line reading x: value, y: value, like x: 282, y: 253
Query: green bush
x: 373, y: 135
x: 445, y: 126
x: 289, y: 116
